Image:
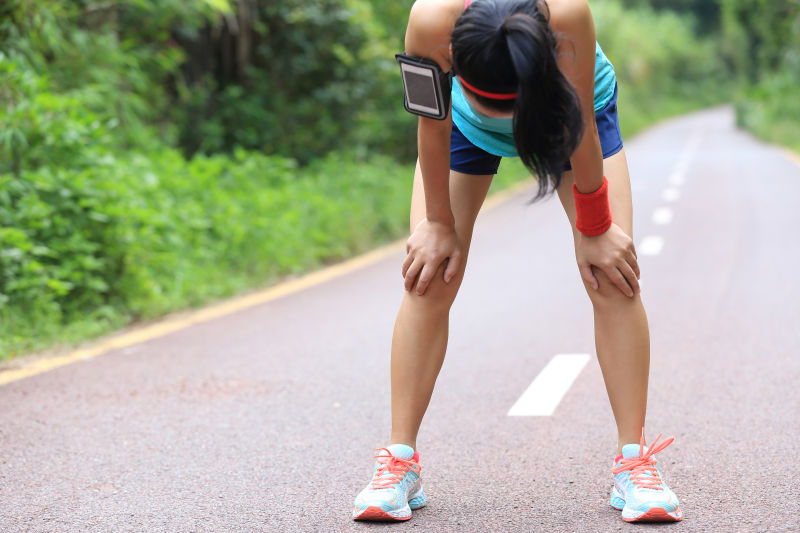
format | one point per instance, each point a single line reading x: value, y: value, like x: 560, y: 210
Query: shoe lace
x: 391, y: 470
x: 643, y: 468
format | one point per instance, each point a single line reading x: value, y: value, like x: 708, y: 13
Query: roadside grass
x: 133, y: 238
x: 771, y: 110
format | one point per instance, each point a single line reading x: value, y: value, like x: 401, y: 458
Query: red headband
x: 493, y: 96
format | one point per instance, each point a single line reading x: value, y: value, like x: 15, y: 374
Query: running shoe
x: 639, y: 489
x: 395, y: 489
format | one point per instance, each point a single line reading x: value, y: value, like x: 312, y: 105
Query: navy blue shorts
x: 467, y: 158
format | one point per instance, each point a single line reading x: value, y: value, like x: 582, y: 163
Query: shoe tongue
x: 629, y: 451
x: 403, y: 451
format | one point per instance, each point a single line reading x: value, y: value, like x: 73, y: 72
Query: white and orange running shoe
x: 639, y: 490
x: 395, y: 489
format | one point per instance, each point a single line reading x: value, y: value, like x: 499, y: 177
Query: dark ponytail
x: 506, y: 46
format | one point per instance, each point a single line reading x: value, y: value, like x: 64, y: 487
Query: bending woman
x: 530, y: 81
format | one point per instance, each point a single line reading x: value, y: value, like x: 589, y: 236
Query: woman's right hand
x: 430, y: 245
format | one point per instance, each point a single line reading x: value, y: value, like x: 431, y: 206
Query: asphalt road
x: 265, y: 419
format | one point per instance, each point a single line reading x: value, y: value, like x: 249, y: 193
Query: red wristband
x: 594, y: 213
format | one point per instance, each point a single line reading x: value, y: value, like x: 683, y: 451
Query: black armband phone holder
x: 426, y: 87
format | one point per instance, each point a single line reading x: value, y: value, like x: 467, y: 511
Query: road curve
x: 265, y: 419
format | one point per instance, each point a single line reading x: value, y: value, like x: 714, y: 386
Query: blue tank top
x: 496, y: 135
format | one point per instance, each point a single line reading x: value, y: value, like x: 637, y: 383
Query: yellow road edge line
x: 793, y: 156
x: 231, y: 306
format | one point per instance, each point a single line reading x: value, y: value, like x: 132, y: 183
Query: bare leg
x: 622, y: 338
x: 420, y: 334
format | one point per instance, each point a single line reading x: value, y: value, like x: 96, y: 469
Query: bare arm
x: 433, y: 145
x: 574, y: 29
x: 428, y: 36
x: 612, y: 252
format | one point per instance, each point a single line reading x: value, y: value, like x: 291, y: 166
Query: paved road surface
x: 266, y: 419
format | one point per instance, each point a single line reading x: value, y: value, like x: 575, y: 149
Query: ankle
x: 401, y: 440
x: 626, y: 440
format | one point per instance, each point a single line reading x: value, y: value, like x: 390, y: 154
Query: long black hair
x: 507, y: 46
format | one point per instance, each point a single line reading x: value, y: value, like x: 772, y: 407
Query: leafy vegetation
x: 757, y: 43
x: 761, y: 41
x: 663, y: 68
x: 136, y: 236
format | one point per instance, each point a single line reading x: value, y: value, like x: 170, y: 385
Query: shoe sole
x: 376, y: 514
x: 657, y: 514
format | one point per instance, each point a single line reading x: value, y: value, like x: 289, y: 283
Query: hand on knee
x: 608, y: 292
x: 438, y: 293
x: 611, y: 253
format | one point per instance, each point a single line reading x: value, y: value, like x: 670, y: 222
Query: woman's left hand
x: 613, y: 253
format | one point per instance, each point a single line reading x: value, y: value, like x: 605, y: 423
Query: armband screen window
x: 427, y: 87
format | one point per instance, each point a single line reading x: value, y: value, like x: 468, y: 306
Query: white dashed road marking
x: 671, y: 194
x: 543, y: 395
x: 677, y: 179
x: 662, y: 216
x: 685, y: 156
x: 651, y: 245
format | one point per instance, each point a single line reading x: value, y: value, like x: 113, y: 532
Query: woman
x: 530, y: 80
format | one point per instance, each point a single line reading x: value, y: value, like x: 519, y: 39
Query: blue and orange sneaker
x: 395, y: 489
x: 639, y: 489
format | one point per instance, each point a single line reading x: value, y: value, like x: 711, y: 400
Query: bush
x: 768, y: 103
x: 297, y: 79
x: 771, y: 109
x: 69, y: 80
x: 134, y: 237
x: 663, y: 69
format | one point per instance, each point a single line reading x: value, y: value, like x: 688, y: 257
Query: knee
x: 607, y: 295
x: 439, y: 296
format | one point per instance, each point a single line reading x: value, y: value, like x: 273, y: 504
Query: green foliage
x: 40, y: 128
x: 104, y: 223
x: 758, y: 34
x: 760, y: 41
x: 316, y: 78
x: 706, y: 13
x: 771, y: 109
x: 70, y: 89
x: 134, y: 237
x: 757, y: 47
x: 663, y: 69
